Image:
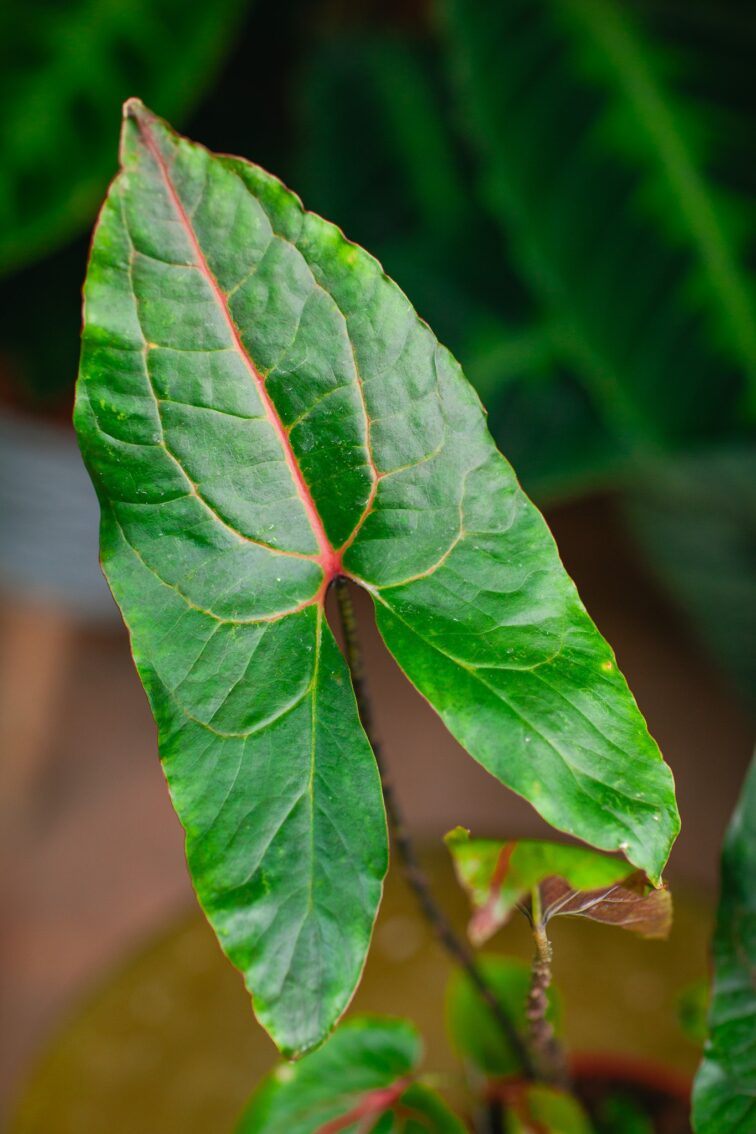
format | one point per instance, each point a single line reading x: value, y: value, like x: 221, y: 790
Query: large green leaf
x: 364, y: 1078
x: 64, y: 71
x: 573, y: 882
x: 261, y: 410
x: 724, y: 1095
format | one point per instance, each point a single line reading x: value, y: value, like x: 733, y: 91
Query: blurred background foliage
x: 565, y: 188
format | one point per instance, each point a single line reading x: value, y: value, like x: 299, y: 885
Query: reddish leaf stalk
x: 414, y: 874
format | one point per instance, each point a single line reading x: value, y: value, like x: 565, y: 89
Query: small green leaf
x: 724, y: 1093
x: 573, y: 881
x: 474, y: 1032
x: 538, y: 1109
x: 262, y: 411
x: 363, y: 1078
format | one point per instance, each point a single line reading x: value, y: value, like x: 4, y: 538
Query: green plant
x: 264, y: 416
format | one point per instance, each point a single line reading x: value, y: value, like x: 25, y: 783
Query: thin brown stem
x: 547, y: 1051
x: 415, y: 876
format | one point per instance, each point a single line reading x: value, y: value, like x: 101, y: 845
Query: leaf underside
x: 261, y: 410
x: 724, y: 1093
x: 573, y: 881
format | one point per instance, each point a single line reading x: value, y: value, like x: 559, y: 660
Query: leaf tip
x: 134, y: 108
x: 456, y: 836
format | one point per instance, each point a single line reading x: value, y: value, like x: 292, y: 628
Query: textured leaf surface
x: 362, y: 1079
x: 572, y: 881
x: 64, y: 71
x: 724, y: 1094
x: 475, y: 1033
x: 262, y: 410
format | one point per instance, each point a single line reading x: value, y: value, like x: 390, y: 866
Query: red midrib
x: 328, y: 557
x: 482, y: 921
x: 372, y: 1105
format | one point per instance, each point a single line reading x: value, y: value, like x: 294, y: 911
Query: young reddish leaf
x: 261, y: 410
x: 572, y: 881
x: 364, y: 1075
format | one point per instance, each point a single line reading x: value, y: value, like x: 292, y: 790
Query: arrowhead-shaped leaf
x: 724, y: 1094
x: 572, y: 880
x: 262, y: 410
x: 362, y: 1079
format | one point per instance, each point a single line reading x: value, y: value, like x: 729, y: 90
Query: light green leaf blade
x: 363, y: 1075
x: 573, y: 881
x: 261, y: 410
x: 65, y: 69
x: 724, y: 1093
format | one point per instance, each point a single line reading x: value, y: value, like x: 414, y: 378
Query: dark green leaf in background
x: 724, y: 1094
x: 65, y: 69
x: 362, y: 1079
x: 695, y: 517
x: 604, y: 180
x: 261, y: 410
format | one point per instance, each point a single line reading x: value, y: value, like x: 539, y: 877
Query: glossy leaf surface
x: 573, y: 881
x: 724, y: 1094
x: 262, y: 410
x: 475, y: 1034
x: 362, y: 1079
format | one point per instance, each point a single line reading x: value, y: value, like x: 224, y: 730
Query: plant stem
x: 415, y: 876
x: 547, y: 1051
